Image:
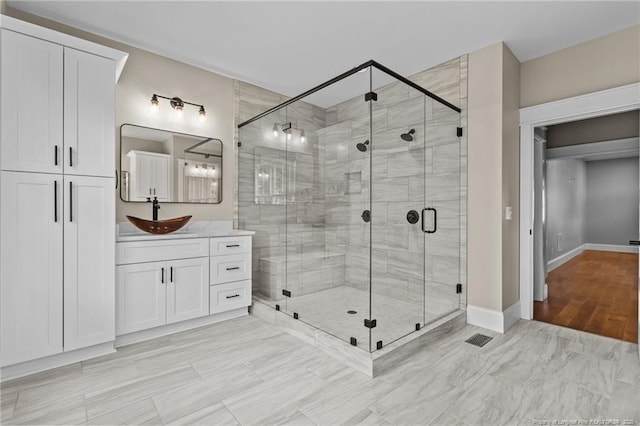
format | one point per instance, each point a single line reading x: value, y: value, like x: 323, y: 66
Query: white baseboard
x: 545, y: 292
x: 141, y: 336
x: 564, y: 258
x: 493, y: 320
x: 612, y: 247
x: 65, y: 358
x: 511, y: 315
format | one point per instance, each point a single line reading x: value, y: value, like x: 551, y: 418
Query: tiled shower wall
x: 331, y: 220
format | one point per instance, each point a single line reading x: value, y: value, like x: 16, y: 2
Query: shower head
x: 362, y: 146
x: 408, y: 136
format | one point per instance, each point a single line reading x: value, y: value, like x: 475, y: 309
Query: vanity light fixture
x: 177, y: 104
x: 275, y: 130
x: 303, y: 137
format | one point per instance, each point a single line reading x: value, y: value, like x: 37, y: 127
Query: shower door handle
x: 435, y: 220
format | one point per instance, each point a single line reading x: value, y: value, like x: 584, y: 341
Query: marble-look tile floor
x: 328, y: 309
x: 245, y: 371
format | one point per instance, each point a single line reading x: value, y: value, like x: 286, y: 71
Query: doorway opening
x: 586, y: 224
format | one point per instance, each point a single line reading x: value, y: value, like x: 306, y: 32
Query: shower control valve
x: 413, y: 217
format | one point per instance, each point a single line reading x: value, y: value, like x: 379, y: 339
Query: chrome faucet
x: 155, y: 207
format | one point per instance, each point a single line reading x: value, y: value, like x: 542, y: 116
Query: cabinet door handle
x: 231, y: 297
x: 55, y: 156
x: 233, y: 269
x: 55, y: 201
x: 162, y: 277
x: 70, y: 157
x: 233, y: 245
x: 70, y: 201
x: 171, y: 274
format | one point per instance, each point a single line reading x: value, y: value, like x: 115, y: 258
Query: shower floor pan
x: 334, y: 320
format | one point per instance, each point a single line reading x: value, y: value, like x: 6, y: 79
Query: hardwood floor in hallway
x: 597, y: 292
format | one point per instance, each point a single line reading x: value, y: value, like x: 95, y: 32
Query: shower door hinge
x: 458, y: 288
x: 371, y: 96
x: 277, y: 307
x: 370, y: 323
x: 286, y: 293
x: 239, y: 144
x: 459, y: 131
x: 353, y: 341
x: 295, y: 315
x: 379, y: 344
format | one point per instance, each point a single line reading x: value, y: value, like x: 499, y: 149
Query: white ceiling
x: 290, y: 47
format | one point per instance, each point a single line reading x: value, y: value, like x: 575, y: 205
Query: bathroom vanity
x: 174, y: 282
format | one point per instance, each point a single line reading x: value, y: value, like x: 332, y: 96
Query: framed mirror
x: 175, y: 167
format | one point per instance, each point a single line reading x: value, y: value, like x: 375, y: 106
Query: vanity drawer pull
x: 231, y: 297
x: 233, y: 269
x: 233, y: 245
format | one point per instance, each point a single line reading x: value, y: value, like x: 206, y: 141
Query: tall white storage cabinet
x: 57, y: 199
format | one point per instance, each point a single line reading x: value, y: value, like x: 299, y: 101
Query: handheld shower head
x: 362, y: 146
x: 408, y: 136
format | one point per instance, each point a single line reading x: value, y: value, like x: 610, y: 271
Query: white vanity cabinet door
x: 187, y: 289
x: 31, y: 104
x: 30, y: 266
x: 89, y: 110
x: 89, y: 261
x: 141, y: 296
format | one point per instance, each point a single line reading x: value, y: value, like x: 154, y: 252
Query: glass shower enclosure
x: 353, y: 189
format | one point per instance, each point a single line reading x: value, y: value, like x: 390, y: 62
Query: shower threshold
x: 369, y: 363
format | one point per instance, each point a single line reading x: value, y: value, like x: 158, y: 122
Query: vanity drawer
x: 225, y: 297
x: 232, y: 267
x: 230, y: 245
x: 151, y: 251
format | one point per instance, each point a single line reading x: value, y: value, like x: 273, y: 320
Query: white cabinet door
x: 141, y: 297
x: 30, y: 266
x: 89, y: 261
x: 89, y: 108
x: 31, y: 104
x: 187, y: 289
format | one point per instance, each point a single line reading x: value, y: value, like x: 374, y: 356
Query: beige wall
x: 510, y: 177
x: 485, y: 178
x: 599, y: 64
x: 3, y: 6
x: 494, y: 74
x: 147, y: 73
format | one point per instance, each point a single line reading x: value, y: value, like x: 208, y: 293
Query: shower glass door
x: 327, y: 226
x: 261, y: 205
x: 399, y: 165
x: 443, y: 247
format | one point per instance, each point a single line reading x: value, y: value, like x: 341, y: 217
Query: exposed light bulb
x: 289, y: 136
x: 154, y: 103
x: 303, y: 137
x: 275, y: 130
x: 178, y: 111
x: 202, y: 113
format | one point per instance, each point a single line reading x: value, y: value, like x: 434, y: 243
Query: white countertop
x: 126, y: 232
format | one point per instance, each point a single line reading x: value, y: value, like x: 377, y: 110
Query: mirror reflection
x: 175, y: 167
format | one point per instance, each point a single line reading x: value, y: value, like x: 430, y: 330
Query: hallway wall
x: 612, y: 201
x: 566, y: 185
